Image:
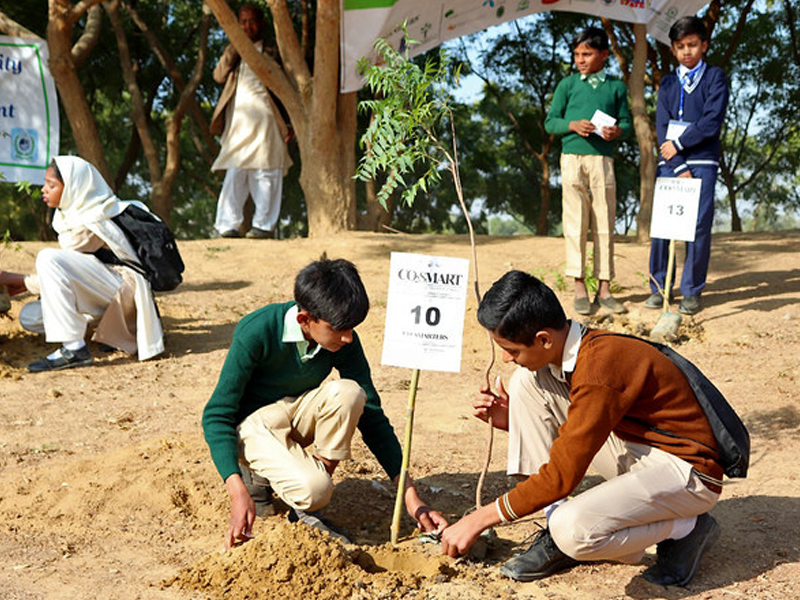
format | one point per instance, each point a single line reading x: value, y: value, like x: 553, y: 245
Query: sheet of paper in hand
x: 600, y: 120
x: 675, y: 129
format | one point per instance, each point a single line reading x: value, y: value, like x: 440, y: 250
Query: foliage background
x: 511, y: 71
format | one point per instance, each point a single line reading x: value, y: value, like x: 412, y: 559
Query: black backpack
x: 729, y: 431
x: 154, y: 244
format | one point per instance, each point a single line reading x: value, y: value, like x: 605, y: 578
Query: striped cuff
x: 678, y: 144
x: 500, y: 512
x: 504, y: 509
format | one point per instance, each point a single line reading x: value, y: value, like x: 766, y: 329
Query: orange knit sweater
x: 626, y: 386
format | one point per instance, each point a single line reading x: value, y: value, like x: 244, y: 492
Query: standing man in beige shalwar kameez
x: 254, y: 135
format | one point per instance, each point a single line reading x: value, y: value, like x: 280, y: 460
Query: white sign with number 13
x: 675, y: 204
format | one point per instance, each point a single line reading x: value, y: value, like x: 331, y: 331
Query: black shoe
x: 260, y: 491
x: 678, y: 559
x: 611, y: 304
x: 690, y: 305
x: 260, y: 234
x: 230, y: 233
x: 655, y: 301
x: 67, y: 359
x: 542, y: 559
x: 315, y: 520
x: 582, y: 305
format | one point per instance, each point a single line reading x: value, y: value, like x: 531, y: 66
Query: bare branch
x: 186, y: 99
x: 737, y: 34
x: 138, y: 110
x: 616, y: 49
x: 291, y: 50
x: 77, y: 11
x: 10, y: 27
x: 174, y: 73
x: 91, y: 35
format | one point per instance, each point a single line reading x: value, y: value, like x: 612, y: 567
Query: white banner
x: 432, y: 22
x: 425, y: 312
x: 29, y: 128
x: 676, y: 202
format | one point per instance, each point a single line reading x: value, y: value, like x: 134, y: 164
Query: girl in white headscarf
x: 76, y: 288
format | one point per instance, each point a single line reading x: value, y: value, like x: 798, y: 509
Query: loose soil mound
x: 108, y: 490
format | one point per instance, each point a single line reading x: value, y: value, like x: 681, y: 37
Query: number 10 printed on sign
x: 425, y: 312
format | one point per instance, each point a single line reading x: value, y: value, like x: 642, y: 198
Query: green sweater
x: 574, y: 100
x: 261, y: 369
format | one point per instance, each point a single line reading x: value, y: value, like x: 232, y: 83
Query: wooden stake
x: 401, y: 481
x: 668, y: 280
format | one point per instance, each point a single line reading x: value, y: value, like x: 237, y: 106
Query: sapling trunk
x: 401, y: 480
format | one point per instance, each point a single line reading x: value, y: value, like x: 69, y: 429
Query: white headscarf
x: 86, y: 198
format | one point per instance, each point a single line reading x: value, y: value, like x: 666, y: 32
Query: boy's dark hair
x: 56, y: 171
x: 594, y: 37
x: 332, y: 290
x: 518, y: 306
x: 688, y: 26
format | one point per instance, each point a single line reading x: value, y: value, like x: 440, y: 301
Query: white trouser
x: 646, y: 489
x: 76, y: 288
x: 266, y: 188
x: 280, y: 440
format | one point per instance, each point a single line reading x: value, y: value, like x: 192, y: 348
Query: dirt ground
x: 108, y: 490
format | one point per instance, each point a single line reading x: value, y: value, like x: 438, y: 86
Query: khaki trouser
x: 279, y: 441
x: 581, y: 174
x: 645, y: 492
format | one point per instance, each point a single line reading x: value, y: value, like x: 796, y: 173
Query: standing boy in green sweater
x: 590, y: 109
x: 272, y: 418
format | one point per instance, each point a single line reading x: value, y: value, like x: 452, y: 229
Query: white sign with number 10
x: 675, y: 204
x: 425, y: 312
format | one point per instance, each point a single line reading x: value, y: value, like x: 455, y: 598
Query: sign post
x: 424, y: 330
x: 676, y: 202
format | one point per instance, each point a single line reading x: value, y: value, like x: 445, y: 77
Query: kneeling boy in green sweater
x: 272, y: 417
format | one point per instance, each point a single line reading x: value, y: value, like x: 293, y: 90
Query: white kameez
x: 252, y: 138
x: 76, y: 288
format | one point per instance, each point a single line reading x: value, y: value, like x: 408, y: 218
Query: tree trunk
x: 173, y: 159
x: 644, y: 134
x: 544, y: 208
x: 329, y: 141
x: 91, y: 35
x: 326, y: 187
x: 73, y: 98
x: 727, y: 180
x: 376, y: 217
x: 736, y: 221
x: 323, y: 120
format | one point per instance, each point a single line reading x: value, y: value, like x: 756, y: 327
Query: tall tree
x: 523, y: 78
x: 162, y: 180
x: 62, y: 18
x: 324, y: 120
